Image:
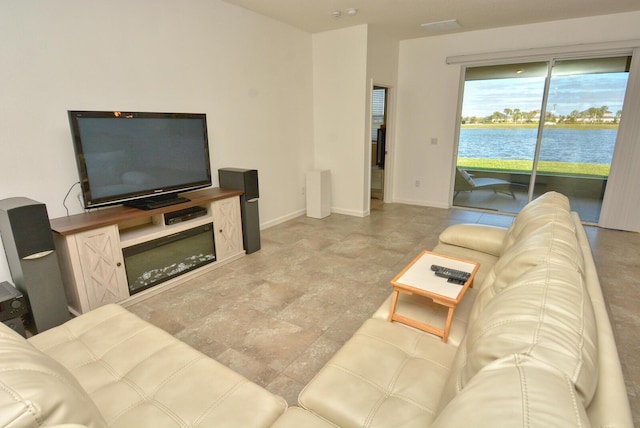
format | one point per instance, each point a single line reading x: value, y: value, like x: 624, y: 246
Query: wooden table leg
x: 447, y: 326
x: 394, y: 302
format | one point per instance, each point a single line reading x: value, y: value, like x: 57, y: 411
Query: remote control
x: 450, y: 273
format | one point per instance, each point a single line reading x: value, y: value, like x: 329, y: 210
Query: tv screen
x: 124, y: 157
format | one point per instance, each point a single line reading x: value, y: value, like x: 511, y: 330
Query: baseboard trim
x: 422, y: 203
x: 282, y: 219
x: 353, y: 213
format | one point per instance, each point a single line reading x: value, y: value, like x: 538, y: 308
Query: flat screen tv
x: 139, y: 159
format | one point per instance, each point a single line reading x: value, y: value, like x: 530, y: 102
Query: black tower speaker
x: 247, y: 181
x: 28, y: 244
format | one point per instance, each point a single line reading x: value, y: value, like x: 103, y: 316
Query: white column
x: 319, y: 193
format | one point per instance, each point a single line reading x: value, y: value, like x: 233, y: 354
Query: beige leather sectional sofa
x: 109, y: 368
x: 531, y: 345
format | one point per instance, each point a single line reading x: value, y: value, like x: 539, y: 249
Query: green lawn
x: 544, y: 167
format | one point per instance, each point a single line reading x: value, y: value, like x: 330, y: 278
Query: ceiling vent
x: 439, y: 26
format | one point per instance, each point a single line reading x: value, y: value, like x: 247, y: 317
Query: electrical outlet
x: 417, y: 183
x: 434, y: 140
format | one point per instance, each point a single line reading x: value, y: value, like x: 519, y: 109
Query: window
x: 528, y: 128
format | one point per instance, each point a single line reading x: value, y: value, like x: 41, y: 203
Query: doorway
x: 379, y: 100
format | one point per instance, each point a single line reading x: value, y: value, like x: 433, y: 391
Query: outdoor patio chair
x: 465, y: 182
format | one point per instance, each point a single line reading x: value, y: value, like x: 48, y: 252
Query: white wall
x: 346, y: 63
x: 251, y: 75
x: 428, y: 93
x: 382, y: 57
x: 340, y: 123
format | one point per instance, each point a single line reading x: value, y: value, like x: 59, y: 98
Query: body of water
x: 563, y: 145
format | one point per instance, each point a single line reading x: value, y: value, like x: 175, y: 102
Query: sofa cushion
x: 36, y: 390
x: 386, y: 375
x: 139, y: 375
x: 297, y: 417
x: 516, y: 391
x: 478, y: 237
x: 552, y: 243
x: 551, y: 206
x: 547, y: 314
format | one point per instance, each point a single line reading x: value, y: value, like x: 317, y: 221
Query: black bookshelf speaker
x: 28, y: 243
x: 247, y: 181
x: 240, y: 179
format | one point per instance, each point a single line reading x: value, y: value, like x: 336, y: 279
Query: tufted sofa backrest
x: 551, y: 206
x: 516, y: 390
x: 552, y: 242
x: 35, y: 390
x: 546, y: 314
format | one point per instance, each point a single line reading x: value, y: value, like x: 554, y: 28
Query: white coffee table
x: 418, y: 278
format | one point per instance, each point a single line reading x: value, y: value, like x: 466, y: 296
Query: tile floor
x: 277, y: 315
x: 588, y: 208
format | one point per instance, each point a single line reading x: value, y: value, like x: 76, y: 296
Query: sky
x: 567, y: 93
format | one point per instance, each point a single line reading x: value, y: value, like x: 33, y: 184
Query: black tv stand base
x: 156, y: 202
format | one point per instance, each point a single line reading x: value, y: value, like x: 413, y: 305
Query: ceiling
x: 402, y: 19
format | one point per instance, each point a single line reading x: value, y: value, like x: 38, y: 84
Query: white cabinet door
x: 227, y: 226
x: 105, y: 278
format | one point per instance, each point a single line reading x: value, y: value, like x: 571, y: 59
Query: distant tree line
x: 508, y: 115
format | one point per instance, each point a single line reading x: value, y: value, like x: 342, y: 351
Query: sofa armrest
x: 610, y: 405
x: 478, y: 237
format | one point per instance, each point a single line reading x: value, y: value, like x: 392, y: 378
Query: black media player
x: 12, y: 302
x: 184, y: 215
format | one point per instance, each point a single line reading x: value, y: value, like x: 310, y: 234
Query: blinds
x: 377, y: 111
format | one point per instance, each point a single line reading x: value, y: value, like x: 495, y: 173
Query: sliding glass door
x: 498, y: 135
x: 583, y: 111
x: 529, y: 128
